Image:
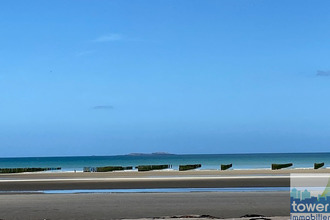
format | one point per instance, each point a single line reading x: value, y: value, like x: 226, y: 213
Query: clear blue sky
x: 114, y: 77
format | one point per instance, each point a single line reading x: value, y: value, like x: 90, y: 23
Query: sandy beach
x: 142, y: 205
x: 15, y: 203
x: 152, y: 179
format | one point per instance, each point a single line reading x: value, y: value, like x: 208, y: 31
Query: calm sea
x: 208, y: 161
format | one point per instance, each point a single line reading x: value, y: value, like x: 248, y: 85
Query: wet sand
x: 142, y: 205
x: 142, y: 183
x: 151, y: 179
x: 21, y: 205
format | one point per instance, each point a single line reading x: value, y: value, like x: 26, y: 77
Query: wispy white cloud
x: 105, y: 107
x: 109, y: 37
x: 84, y: 53
x: 323, y: 73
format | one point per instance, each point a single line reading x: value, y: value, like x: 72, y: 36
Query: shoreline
x: 168, y: 172
x: 150, y: 205
x: 149, y: 180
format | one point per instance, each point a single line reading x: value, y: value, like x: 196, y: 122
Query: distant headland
x: 146, y: 154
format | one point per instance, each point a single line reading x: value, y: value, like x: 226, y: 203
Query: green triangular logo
x: 326, y: 190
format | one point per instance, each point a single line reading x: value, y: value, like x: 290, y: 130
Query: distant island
x: 145, y: 154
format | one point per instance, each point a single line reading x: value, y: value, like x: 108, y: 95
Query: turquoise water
x: 208, y: 161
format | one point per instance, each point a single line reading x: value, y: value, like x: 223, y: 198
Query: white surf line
x: 145, y: 178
